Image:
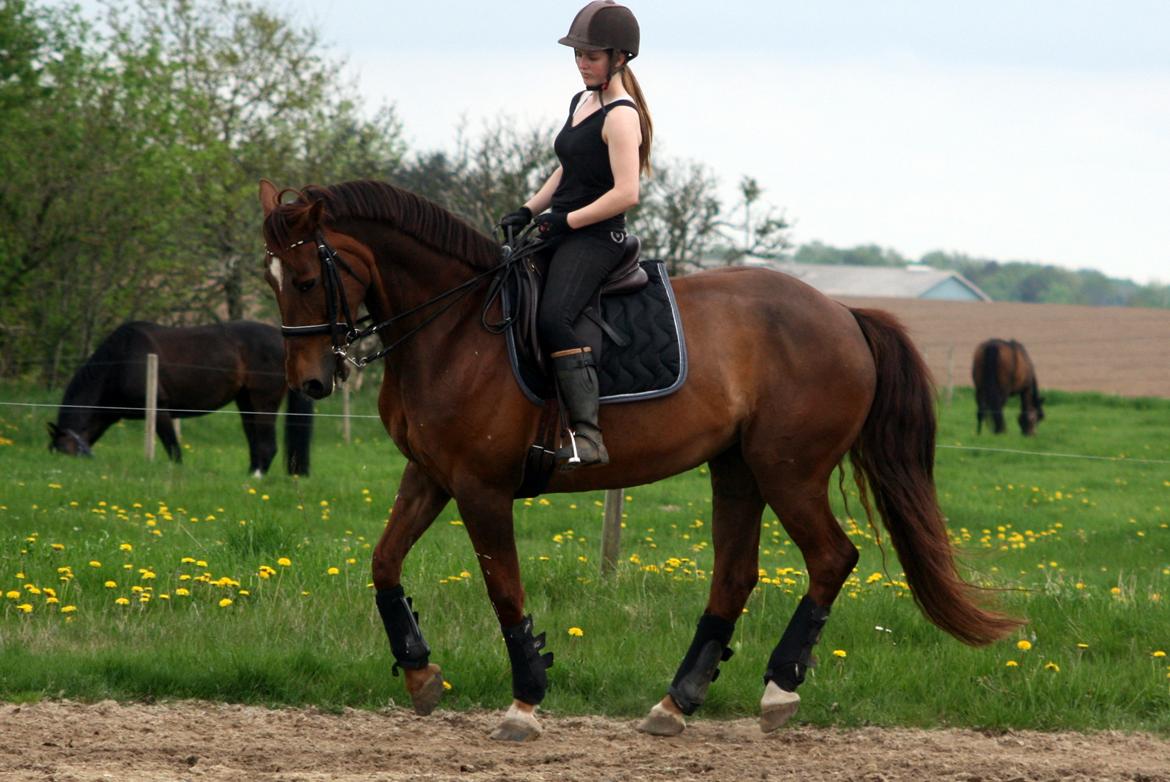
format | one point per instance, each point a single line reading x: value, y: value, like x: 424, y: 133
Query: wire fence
x: 224, y: 411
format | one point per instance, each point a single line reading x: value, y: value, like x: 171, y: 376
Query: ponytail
x: 631, y: 84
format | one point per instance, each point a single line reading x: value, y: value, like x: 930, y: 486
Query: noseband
x: 345, y: 333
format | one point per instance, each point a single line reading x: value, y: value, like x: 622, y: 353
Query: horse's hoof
x: 517, y: 726
x: 777, y: 707
x: 427, y: 696
x: 660, y: 722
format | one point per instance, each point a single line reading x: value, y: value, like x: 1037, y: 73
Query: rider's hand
x: 516, y: 220
x: 553, y: 225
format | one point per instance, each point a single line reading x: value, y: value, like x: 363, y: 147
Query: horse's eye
x: 307, y: 285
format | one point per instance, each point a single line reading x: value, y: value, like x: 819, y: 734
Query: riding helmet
x: 603, y: 24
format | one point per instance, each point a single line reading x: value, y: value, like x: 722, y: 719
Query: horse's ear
x: 269, y: 196
x: 315, y: 212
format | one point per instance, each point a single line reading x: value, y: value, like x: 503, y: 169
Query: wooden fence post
x: 611, y: 531
x: 151, y: 402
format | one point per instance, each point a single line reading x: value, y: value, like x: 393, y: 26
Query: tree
x: 257, y: 99
x: 677, y: 218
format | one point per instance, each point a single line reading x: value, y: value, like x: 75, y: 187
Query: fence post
x: 950, y: 374
x: 611, y: 531
x: 345, y: 411
x: 151, y: 403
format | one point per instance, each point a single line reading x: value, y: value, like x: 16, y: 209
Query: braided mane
x: 414, y: 215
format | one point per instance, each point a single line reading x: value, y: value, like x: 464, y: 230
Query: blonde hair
x: 630, y: 82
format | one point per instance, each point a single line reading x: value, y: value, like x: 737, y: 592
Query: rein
x: 344, y: 333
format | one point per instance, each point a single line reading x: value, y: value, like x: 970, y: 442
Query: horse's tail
x: 993, y: 397
x: 298, y: 431
x: 895, y: 453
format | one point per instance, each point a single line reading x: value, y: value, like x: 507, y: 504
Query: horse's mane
x: 88, y: 383
x: 414, y: 215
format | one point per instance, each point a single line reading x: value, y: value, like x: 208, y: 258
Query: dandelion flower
x: 122, y: 601
x: 94, y: 563
x: 111, y: 585
x: 576, y: 632
x: 125, y: 547
x: 68, y: 609
x: 181, y: 592
x: 447, y: 685
x: 227, y: 601
x: 284, y: 562
x: 1023, y: 645
x: 1158, y: 653
x: 1082, y: 646
x: 1051, y: 666
x: 26, y: 607
x: 332, y: 571
x: 1011, y: 664
x: 12, y: 594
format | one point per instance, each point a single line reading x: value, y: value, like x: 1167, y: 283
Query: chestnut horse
x: 1002, y: 369
x: 782, y: 383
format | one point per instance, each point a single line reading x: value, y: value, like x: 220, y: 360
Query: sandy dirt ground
x: 1112, y: 350
x: 72, y: 742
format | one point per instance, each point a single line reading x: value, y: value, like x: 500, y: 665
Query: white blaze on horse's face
x: 274, y: 269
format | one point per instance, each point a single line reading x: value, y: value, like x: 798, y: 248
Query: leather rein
x: 345, y: 332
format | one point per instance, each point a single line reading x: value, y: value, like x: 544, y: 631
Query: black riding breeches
x: 580, y: 263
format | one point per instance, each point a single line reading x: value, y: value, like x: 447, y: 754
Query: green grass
x: 1080, y: 547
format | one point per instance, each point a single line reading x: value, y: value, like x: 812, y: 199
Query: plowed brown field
x: 1113, y: 350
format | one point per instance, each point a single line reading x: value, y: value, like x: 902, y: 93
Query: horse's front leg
x: 418, y: 502
x: 487, y: 516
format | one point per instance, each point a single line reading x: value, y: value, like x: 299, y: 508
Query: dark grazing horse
x: 782, y: 384
x: 200, y: 369
x: 1002, y: 369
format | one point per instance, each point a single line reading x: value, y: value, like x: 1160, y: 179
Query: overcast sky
x: 1034, y: 130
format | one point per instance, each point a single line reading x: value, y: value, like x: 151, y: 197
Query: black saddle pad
x: 653, y: 364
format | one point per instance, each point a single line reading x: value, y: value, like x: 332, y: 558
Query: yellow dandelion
x: 25, y: 607
x: 94, y: 563
x: 68, y: 609
x: 122, y: 601
x: 284, y: 562
x: 1051, y: 666
x: 840, y: 653
x: 332, y: 571
x: 1023, y: 645
x: 1082, y: 646
x: 12, y: 594
x: 227, y: 601
x: 1011, y: 664
x: 57, y: 546
x: 576, y: 632
x: 181, y: 592
x: 447, y: 685
x: 1158, y: 653
x: 111, y: 585
x: 125, y: 547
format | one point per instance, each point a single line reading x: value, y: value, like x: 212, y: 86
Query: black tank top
x: 586, y: 174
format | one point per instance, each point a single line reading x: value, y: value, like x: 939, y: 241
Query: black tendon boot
x: 577, y: 378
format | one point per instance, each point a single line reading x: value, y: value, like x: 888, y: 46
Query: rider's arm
x: 543, y: 198
x: 622, y: 133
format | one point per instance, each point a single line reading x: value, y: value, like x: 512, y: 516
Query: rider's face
x: 593, y: 66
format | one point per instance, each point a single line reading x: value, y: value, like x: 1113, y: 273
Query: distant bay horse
x: 200, y: 369
x: 1002, y: 369
x: 782, y: 384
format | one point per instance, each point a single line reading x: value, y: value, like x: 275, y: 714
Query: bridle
x: 345, y: 333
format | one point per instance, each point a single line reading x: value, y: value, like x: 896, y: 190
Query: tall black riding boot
x: 577, y: 378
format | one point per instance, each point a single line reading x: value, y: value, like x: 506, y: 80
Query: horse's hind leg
x: 260, y: 430
x: 735, y: 531
x: 802, y: 505
x: 418, y: 502
x: 164, y: 426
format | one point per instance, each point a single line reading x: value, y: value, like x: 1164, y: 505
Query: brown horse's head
x: 1031, y: 416
x: 296, y: 274
x: 67, y: 441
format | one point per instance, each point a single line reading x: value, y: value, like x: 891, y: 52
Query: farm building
x: 899, y: 282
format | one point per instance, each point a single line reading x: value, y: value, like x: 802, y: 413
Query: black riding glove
x: 553, y: 225
x: 516, y: 220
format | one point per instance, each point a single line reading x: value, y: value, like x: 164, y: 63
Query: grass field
x: 133, y: 580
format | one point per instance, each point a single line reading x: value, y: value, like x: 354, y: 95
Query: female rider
x: 603, y: 148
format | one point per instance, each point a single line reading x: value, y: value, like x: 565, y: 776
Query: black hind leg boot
x: 577, y: 378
